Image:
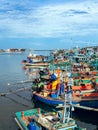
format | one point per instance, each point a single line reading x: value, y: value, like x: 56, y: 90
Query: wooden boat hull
x: 37, y: 119
x: 89, y: 103
x: 49, y: 100
x: 36, y: 64
x: 19, y: 120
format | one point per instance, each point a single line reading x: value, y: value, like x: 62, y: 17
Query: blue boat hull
x: 89, y: 103
x: 50, y: 101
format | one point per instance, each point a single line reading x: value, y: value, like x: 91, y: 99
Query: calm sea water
x: 11, y: 72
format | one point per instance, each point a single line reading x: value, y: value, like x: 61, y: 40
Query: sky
x: 48, y: 24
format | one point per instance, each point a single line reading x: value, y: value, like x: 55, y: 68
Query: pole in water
x: 19, y: 82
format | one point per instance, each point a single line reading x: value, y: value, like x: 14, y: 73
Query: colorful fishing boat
x: 83, y: 99
x: 50, y: 100
x: 39, y: 61
x: 34, y: 64
x: 37, y: 119
x: 88, y: 101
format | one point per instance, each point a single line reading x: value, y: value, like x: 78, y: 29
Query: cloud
x: 34, y: 19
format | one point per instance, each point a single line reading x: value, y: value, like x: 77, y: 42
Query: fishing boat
x: 53, y: 101
x: 37, y: 64
x: 37, y: 119
x: 83, y: 95
x: 80, y: 99
x: 88, y: 101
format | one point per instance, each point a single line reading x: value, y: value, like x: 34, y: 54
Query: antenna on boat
x: 70, y: 44
x: 30, y: 51
x: 67, y: 105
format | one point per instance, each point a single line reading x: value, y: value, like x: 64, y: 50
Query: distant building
x: 15, y: 50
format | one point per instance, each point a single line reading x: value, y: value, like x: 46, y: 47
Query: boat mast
x: 67, y: 105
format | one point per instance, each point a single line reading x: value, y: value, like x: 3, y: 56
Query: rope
x: 21, y: 82
x: 23, y: 97
x: 11, y: 92
x: 15, y: 92
x: 17, y: 102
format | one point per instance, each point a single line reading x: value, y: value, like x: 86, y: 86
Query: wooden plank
x: 85, y: 108
x: 19, y: 124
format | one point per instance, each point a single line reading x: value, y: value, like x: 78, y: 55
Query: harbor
x: 16, y: 95
x: 48, y: 65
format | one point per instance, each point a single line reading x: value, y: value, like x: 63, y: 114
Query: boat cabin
x: 80, y: 58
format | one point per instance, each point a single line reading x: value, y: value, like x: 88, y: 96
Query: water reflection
x: 32, y: 73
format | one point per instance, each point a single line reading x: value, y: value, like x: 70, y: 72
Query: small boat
x: 34, y: 64
x: 37, y: 119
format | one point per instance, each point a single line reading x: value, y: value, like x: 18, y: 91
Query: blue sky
x: 48, y: 24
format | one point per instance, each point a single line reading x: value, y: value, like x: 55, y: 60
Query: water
x: 11, y: 72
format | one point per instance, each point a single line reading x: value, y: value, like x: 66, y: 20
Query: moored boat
x: 37, y: 64
x: 37, y: 119
x: 88, y: 102
x: 53, y: 101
